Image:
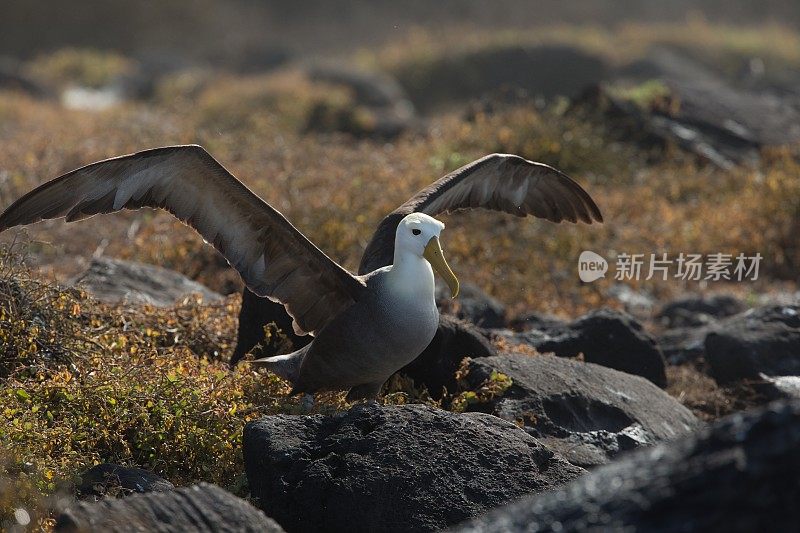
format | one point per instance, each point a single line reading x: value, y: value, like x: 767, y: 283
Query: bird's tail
x: 286, y: 366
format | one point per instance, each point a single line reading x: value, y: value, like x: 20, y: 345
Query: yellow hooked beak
x: 435, y: 256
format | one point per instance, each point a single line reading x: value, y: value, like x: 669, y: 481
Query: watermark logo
x: 591, y: 266
x: 663, y: 266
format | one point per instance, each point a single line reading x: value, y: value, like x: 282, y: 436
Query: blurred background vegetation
x: 335, y: 113
x: 206, y: 29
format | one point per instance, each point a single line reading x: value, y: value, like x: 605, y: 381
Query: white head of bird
x: 417, y: 249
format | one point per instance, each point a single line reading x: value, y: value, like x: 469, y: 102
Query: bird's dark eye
x: 416, y: 231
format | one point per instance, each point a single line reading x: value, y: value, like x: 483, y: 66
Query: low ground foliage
x: 86, y: 383
x: 89, y: 383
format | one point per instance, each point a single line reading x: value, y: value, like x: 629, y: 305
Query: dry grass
x: 709, y: 401
x: 698, y: 392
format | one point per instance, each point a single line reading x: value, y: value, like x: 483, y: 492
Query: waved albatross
x: 498, y: 182
x: 365, y: 327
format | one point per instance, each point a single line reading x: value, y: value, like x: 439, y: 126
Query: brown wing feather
x: 509, y: 183
x: 500, y: 182
x: 274, y: 259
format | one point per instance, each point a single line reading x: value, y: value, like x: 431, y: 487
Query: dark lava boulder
x: 116, y: 281
x: 765, y: 340
x: 392, y: 468
x: 694, y: 311
x: 605, y: 337
x: 586, y: 412
x: 703, y: 113
x: 435, y: 368
x: 472, y: 305
x: 683, y: 345
x: 534, y: 320
x: 201, y: 507
x: 687, y: 322
x: 741, y: 475
x: 378, y: 106
x: 370, y: 88
x: 108, y: 479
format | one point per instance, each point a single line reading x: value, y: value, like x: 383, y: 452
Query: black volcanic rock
x: 685, y: 344
x: 605, y: 337
x: 703, y: 113
x: 740, y: 475
x: 392, y: 468
x: 586, y: 412
x: 687, y: 322
x: 373, y: 89
x: 116, y: 480
x: 765, y: 340
x: 472, y: 305
x: 697, y: 311
x: 534, y: 320
x: 199, y: 508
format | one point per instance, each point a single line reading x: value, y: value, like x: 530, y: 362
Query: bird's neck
x: 412, y: 275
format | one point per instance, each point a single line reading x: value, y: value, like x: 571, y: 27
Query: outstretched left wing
x: 274, y: 259
x: 500, y: 182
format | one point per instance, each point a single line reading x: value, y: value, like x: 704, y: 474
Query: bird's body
x: 393, y: 320
x: 365, y: 327
x: 363, y: 346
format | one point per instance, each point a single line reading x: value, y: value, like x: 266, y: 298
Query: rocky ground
x: 543, y: 404
x: 584, y: 423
